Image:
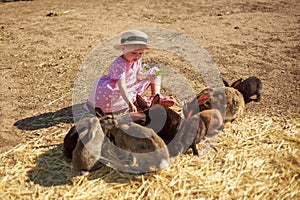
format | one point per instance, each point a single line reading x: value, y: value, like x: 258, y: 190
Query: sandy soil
x: 44, y: 43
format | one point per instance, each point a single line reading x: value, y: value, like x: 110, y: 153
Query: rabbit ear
x: 95, y: 110
x: 155, y: 100
x: 225, y: 82
x: 99, y: 112
x: 187, y: 110
x: 189, y: 114
x: 90, y: 107
x: 136, y: 117
x: 141, y: 102
x: 237, y: 83
x: 203, y: 98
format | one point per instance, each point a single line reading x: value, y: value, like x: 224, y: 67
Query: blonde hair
x: 131, y: 47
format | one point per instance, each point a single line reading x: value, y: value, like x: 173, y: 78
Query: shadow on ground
x: 53, y: 169
x: 49, y: 119
x: 6, y: 1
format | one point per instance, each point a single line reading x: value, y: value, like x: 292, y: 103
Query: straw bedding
x: 258, y: 158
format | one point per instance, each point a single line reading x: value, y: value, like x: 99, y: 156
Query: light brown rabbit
x: 227, y: 100
x: 213, y: 122
x: 235, y: 104
x: 86, y: 155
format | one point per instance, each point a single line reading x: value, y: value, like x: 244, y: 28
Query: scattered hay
x: 258, y: 158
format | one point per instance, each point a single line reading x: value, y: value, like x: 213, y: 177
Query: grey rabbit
x: 70, y: 140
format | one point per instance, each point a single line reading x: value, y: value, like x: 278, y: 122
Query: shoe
x: 164, y: 101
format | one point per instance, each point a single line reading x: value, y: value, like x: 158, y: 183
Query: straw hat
x: 133, y: 37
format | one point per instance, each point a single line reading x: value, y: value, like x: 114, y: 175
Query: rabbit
x: 249, y: 87
x: 163, y: 120
x: 70, y: 140
x: 86, y: 154
x: 142, y: 145
x: 201, y: 102
x: 213, y: 122
x: 234, y: 106
x: 227, y: 100
x: 194, y: 128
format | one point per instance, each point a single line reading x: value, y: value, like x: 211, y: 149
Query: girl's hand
x: 132, y: 107
x: 151, y: 77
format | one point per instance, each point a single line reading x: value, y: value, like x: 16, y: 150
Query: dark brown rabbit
x: 249, y: 87
x: 226, y: 84
x: 70, y: 142
x: 163, y: 120
x: 202, y: 101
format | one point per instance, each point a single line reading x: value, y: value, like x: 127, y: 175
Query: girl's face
x: 133, y: 56
x: 133, y: 52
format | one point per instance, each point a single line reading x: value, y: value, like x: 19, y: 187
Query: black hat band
x: 134, y: 38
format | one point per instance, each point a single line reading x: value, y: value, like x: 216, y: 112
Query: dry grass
x: 258, y: 158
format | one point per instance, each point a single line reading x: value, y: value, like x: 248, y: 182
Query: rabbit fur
x: 249, y: 87
x: 163, y: 120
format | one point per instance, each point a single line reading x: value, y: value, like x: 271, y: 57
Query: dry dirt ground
x: 43, y: 44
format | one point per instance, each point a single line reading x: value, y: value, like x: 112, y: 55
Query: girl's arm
x: 143, y: 76
x: 125, y: 95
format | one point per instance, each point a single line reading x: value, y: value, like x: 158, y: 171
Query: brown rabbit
x: 86, y: 154
x: 228, y: 101
x: 235, y: 104
x: 144, y: 149
x: 163, y: 120
x: 201, y: 102
x: 194, y: 128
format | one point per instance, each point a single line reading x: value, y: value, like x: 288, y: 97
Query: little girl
x: 117, y: 90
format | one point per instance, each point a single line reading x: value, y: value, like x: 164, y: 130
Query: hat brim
x: 145, y: 46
